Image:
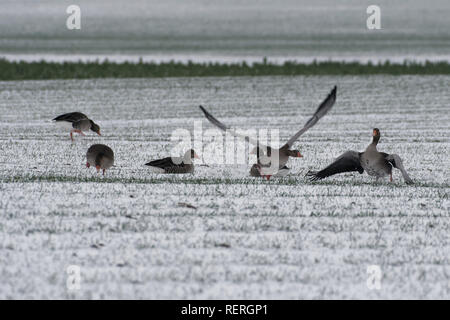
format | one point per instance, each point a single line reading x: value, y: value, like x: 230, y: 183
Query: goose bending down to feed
x: 175, y: 164
x: 100, y: 156
x: 375, y: 163
x: 270, y: 161
x: 78, y: 123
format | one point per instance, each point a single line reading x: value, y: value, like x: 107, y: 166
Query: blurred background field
x: 42, y: 70
x: 225, y: 31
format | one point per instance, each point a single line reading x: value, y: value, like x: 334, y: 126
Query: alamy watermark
x: 73, y: 22
x: 73, y: 281
x: 374, y: 20
x: 374, y: 275
x: 232, y: 147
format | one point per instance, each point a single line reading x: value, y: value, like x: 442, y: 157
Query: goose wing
x: 322, y: 110
x: 346, y: 162
x: 71, y: 117
x: 166, y: 163
x: 225, y: 128
x: 397, y: 162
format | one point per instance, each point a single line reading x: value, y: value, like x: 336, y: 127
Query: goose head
x: 95, y: 127
x: 376, y: 135
x: 294, y: 153
x: 99, y: 159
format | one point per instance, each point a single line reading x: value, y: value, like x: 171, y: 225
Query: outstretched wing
x: 225, y: 128
x: 322, y: 110
x: 71, y: 117
x: 347, y: 162
x: 397, y: 162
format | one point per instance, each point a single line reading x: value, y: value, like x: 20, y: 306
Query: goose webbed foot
x: 312, y: 175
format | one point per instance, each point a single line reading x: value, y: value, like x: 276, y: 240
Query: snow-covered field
x: 247, y: 238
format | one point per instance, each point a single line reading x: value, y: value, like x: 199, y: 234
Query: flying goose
x: 79, y: 122
x: 100, y: 156
x: 175, y: 164
x: 375, y: 163
x: 277, y: 158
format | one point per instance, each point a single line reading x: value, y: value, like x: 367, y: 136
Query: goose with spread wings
x: 375, y: 163
x: 271, y: 160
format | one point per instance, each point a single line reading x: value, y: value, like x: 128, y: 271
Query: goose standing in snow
x: 78, y: 123
x: 273, y: 160
x: 375, y: 163
x: 100, y: 156
x: 175, y: 164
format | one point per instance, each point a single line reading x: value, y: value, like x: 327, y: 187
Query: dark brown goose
x: 375, y: 163
x: 100, y: 156
x: 175, y: 164
x: 277, y: 158
x: 78, y: 123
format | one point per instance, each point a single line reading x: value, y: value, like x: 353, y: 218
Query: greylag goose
x: 375, y: 163
x: 277, y: 158
x: 259, y: 169
x: 175, y: 164
x: 100, y: 156
x: 78, y: 122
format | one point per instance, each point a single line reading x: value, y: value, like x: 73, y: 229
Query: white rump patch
x: 156, y: 169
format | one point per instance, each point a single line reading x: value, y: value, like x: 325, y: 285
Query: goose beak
x: 299, y: 155
x: 196, y: 156
x: 98, y: 168
x: 99, y: 133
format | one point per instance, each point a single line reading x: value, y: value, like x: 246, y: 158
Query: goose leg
x: 77, y: 131
x: 390, y: 177
x: 80, y: 132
